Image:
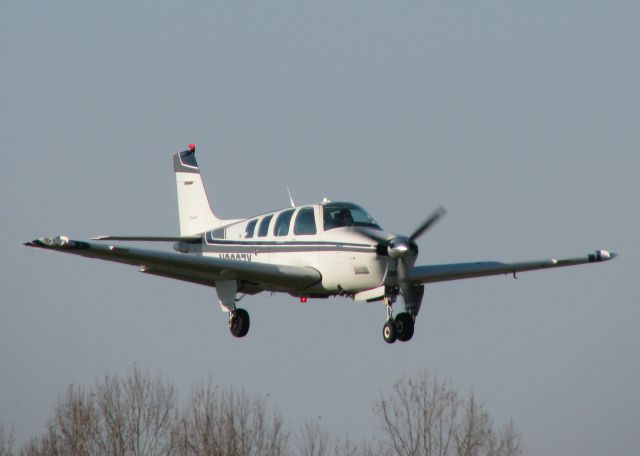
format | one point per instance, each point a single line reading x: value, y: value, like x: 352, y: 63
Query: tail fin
x: 194, y: 210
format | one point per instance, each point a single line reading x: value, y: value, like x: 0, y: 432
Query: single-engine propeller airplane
x: 309, y: 251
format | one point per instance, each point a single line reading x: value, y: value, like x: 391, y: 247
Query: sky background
x: 522, y: 119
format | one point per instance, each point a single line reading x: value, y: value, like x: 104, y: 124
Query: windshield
x: 346, y: 214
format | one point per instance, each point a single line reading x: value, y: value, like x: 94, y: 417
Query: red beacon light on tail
x: 192, y: 148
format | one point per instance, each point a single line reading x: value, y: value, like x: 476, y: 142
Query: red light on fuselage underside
x: 192, y: 148
x: 303, y: 299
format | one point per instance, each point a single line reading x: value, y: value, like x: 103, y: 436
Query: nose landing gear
x: 390, y: 331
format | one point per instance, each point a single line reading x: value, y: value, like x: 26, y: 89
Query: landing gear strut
x: 239, y: 322
x: 389, y: 330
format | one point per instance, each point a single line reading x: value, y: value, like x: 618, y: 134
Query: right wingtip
x: 602, y: 255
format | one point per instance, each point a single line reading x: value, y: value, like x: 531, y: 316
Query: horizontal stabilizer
x: 197, y: 238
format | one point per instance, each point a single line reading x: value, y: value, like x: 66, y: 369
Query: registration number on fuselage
x: 236, y: 256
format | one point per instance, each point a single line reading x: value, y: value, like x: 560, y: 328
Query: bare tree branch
x: 422, y: 416
x: 6, y: 442
x: 225, y: 423
x: 138, y: 416
x: 312, y: 440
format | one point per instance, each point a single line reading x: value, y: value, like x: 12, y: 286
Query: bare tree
x: 222, y: 422
x: 509, y: 442
x: 347, y: 448
x: 312, y: 440
x: 426, y: 417
x: 135, y: 416
x: 138, y: 416
x: 6, y: 442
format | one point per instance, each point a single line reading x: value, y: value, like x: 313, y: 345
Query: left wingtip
x: 52, y: 243
x: 34, y: 243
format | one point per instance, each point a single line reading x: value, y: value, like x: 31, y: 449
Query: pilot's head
x: 344, y: 217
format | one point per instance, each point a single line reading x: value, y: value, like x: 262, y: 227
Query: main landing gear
x: 401, y: 328
x: 239, y: 322
x: 238, y: 318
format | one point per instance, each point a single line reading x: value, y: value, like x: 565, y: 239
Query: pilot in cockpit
x: 343, y: 218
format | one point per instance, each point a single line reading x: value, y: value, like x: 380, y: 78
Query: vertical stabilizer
x: 194, y: 210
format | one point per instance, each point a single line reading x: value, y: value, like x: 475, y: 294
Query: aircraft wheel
x: 390, y: 332
x: 239, y: 323
x: 404, y: 326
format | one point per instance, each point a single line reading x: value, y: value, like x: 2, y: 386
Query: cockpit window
x: 281, y: 227
x: 251, y: 226
x: 263, y: 229
x: 346, y: 214
x: 305, y: 222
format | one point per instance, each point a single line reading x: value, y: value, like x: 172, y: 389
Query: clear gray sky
x: 522, y: 119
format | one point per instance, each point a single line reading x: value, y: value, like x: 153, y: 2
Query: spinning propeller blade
x: 428, y: 223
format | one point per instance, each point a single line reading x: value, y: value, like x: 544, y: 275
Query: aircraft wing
x: 190, y: 268
x: 457, y: 271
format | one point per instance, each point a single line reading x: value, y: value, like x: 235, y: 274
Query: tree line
x: 139, y: 416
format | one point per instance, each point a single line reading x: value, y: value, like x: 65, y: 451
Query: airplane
x: 308, y: 251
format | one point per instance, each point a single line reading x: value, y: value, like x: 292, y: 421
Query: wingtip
x: 54, y: 243
x: 605, y: 255
x: 34, y: 243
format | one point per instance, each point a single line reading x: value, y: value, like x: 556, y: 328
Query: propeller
x: 399, y: 246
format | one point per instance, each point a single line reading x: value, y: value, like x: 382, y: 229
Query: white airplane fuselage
x: 346, y: 259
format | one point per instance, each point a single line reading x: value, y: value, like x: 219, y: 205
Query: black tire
x: 405, y: 326
x: 389, y: 332
x: 239, y: 323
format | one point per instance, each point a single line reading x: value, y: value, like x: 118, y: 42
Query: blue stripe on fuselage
x: 224, y: 245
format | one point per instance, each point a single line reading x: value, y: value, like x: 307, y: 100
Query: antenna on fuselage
x: 290, y: 198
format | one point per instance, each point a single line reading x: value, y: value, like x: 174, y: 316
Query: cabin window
x: 281, y: 227
x: 251, y: 226
x: 305, y: 222
x: 264, y: 226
